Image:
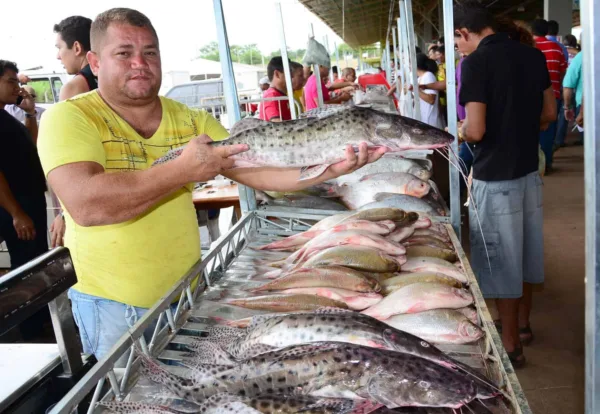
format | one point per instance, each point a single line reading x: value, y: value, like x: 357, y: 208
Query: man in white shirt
x: 19, y: 114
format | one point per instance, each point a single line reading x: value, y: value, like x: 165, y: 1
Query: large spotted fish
x: 262, y: 404
x: 329, y: 369
x: 269, y: 332
x: 315, y: 143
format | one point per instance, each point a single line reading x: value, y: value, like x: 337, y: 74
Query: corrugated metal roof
x: 364, y: 22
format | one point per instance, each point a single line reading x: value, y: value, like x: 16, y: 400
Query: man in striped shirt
x: 557, y: 66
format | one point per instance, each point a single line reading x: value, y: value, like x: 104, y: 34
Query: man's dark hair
x: 119, y: 15
x: 75, y: 29
x: 418, y: 49
x: 474, y: 17
x: 441, y: 49
x: 424, y: 63
x: 275, y: 64
x: 334, y: 69
x: 294, y: 66
x: 442, y: 40
x: 7, y: 65
x: 539, y: 27
x: 570, y: 41
x: 552, y: 27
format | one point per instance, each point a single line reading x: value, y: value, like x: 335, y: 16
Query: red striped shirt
x: 555, y: 61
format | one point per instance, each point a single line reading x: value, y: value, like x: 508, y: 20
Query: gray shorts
x: 511, y: 216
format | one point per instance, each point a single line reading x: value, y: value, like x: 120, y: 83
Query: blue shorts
x: 511, y: 215
x: 102, y: 322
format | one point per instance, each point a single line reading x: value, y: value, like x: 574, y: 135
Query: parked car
x: 205, y: 94
x: 47, y: 85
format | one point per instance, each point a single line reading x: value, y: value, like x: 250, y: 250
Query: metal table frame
x: 170, y: 317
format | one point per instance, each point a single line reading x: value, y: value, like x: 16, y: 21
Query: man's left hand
x: 354, y: 160
x: 28, y: 103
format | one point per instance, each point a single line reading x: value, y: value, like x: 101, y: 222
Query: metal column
x: 590, y: 15
x: 396, y: 65
x: 286, y: 62
x: 413, y: 57
x: 388, y: 61
x: 405, y: 59
x: 247, y: 198
x: 452, y: 124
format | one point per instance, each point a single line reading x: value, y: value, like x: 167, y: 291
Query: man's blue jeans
x: 547, y: 138
x: 561, y: 124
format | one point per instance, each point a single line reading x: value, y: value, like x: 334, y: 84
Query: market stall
x: 203, y: 297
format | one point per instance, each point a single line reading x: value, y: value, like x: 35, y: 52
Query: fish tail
x: 153, y: 370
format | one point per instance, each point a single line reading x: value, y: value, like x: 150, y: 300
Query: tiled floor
x: 554, y: 377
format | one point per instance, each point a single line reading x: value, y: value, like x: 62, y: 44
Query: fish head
x: 426, y: 385
x: 469, y: 330
x: 399, y: 133
x: 417, y: 188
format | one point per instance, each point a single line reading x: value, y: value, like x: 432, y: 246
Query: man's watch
x: 28, y: 115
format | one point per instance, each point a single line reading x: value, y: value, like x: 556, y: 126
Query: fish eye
x: 424, y: 344
x: 417, y: 131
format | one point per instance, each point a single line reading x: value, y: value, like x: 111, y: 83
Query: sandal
x: 517, y: 359
x: 525, y: 334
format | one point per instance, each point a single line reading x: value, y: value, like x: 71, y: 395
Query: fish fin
x: 308, y: 173
x: 154, y: 371
x: 208, y: 352
x: 225, y: 403
x: 342, y: 405
x: 246, y: 124
x: 170, y: 155
x: 305, y: 349
x: 260, y: 319
x: 328, y: 310
x: 130, y: 407
x: 203, y: 372
x: 255, y: 350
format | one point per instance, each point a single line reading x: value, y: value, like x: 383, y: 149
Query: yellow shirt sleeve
x: 66, y: 136
x: 441, y: 73
x: 208, y: 125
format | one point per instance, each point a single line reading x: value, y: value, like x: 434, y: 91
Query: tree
x: 344, y: 49
x: 210, y: 51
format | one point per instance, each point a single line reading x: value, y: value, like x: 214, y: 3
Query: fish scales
x: 392, y: 378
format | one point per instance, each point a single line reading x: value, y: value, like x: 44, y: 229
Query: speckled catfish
x: 317, y: 142
x: 328, y: 369
x: 262, y: 404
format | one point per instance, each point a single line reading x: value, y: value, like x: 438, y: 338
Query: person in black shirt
x: 73, y: 44
x: 507, y: 93
x: 22, y: 182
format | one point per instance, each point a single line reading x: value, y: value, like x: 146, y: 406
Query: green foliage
x: 251, y: 54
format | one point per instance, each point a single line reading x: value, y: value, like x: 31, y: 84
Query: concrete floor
x: 553, y: 380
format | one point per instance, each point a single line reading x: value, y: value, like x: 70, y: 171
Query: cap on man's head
x: 264, y: 81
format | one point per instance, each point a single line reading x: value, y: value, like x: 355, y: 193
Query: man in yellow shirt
x: 132, y: 229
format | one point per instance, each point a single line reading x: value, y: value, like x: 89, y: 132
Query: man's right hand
x: 202, y: 162
x: 569, y: 114
x: 57, y: 232
x: 24, y: 226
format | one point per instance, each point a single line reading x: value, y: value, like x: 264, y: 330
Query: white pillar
x: 562, y: 12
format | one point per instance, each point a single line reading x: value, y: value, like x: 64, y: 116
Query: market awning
x: 364, y: 22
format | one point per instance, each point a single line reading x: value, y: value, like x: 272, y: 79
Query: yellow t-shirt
x: 441, y: 77
x: 298, y: 98
x: 138, y: 261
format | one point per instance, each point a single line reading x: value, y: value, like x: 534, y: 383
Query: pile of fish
x: 348, y: 321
